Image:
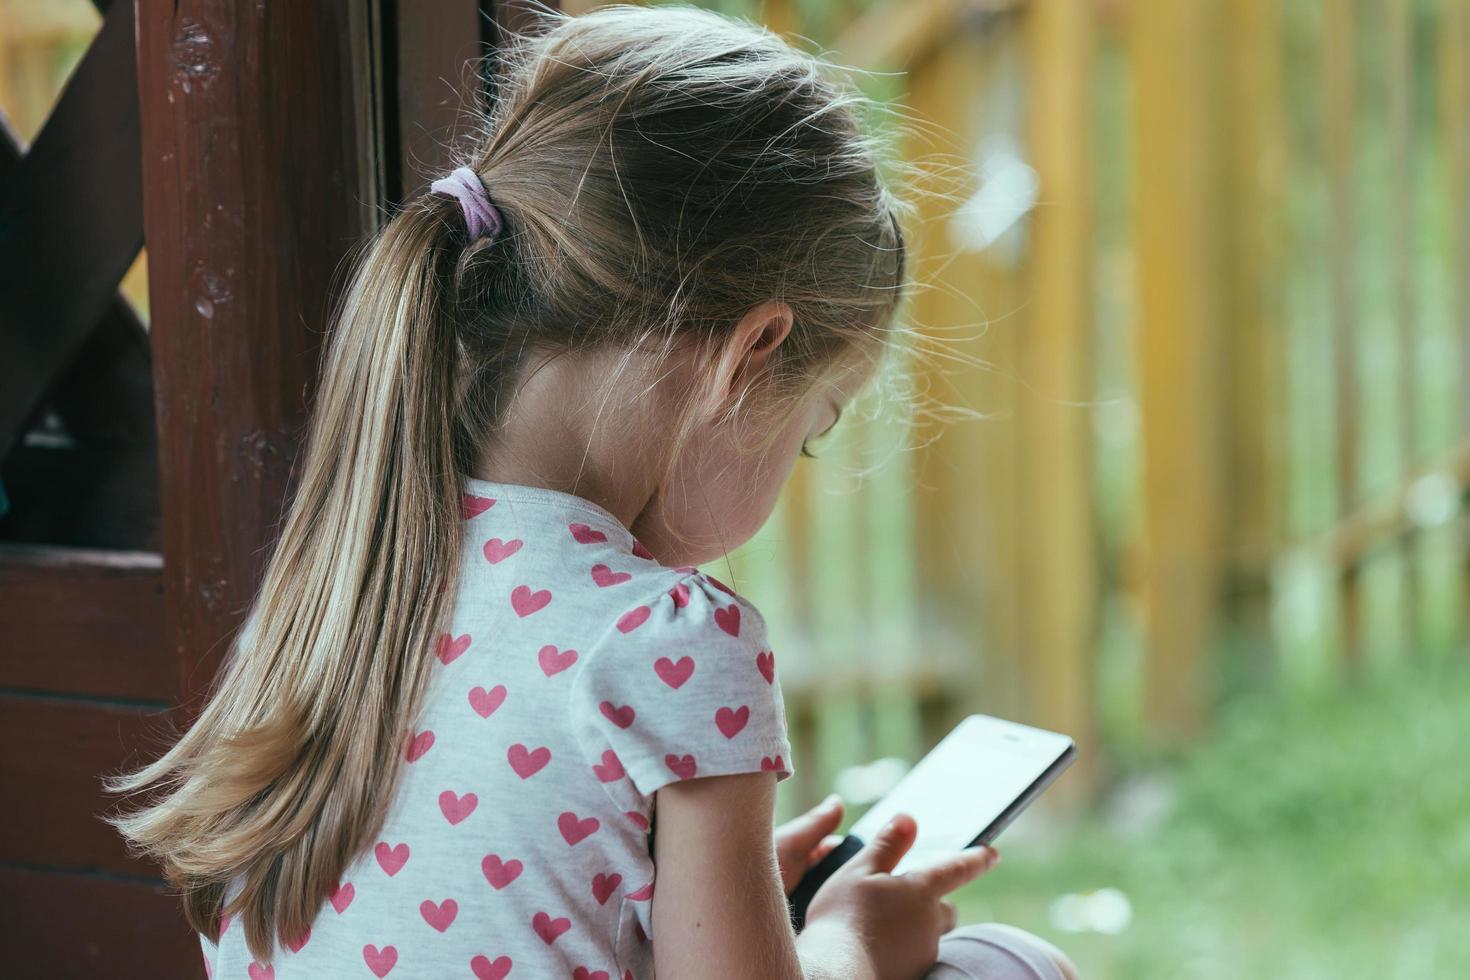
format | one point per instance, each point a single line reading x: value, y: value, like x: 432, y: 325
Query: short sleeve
x: 682, y: 685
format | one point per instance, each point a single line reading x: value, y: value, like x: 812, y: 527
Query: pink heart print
x: 620, y: 716
x: 500, y: 873
x: 548, y: 928
x: 485, y: 702
x: 450, y: 647
x: 674, y: 673
x: 472, y: 506
x: 455, y: 807
x: 641, y: 551
x: 440, y: 915
x: 610, y: 768
x: 586, y: 535
x: 765, y: 662
x: 680, y: 765
x: 497, y: 551
x: 641, y: 895
x: 380, y: 961
x: 525, y: 602
x: 605, y: 576
x: 633, y: 618
x: 603, y: 885
x: 258, y: 972
x: 638, y: 819
x: 772, y: 764
x: 296, y: 945
x: 582, y: 973
x: 484, y: 969
x: 731, y: 723
x: 391, y: 859
x: 342, y: 896
x: 574, y: 831
x: 728, y: 619
x: 420, y: 744
x: 554, y: 661
x: 527, y: 762
x: 680, y: 595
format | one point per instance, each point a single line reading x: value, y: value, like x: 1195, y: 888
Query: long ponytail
x: 290, y: 768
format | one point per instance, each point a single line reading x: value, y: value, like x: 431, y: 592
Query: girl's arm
x: 718, y: 906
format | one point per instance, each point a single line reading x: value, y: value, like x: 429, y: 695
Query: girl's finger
x: 823, y: 849
x: 811, y: 826
x: 949, y: 873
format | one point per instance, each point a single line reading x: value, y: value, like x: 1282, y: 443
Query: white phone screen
x: 965, y: 782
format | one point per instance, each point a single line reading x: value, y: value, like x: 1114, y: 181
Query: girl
x: 485, y: 718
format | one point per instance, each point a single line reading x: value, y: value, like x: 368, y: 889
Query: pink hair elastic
x: 481, y: 218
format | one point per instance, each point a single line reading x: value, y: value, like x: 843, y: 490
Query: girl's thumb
x: 819, y: 821
x: 798, y: 836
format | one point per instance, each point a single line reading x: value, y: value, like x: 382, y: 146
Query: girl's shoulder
x: 684, y: 602
x: 548, y: 550
x: 682, y: 684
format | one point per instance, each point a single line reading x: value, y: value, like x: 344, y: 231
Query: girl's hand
x: 802, y: 842
x: 897, y: 919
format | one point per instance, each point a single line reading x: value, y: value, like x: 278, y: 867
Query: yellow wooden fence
x: 1239, y: 206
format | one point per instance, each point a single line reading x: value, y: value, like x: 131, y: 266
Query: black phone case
x: 818, y: 874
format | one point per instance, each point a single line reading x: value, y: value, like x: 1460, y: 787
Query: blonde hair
x: 658, y: 171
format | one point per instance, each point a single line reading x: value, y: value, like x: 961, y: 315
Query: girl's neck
x: 560, y: 433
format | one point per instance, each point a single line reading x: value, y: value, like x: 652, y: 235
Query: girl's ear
x: 748, y: 349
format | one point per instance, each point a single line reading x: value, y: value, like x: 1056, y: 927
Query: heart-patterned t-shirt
x: 577, y: 677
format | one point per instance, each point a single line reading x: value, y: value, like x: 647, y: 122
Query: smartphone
x: 964, y: 792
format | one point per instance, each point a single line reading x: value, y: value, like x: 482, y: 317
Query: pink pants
x: 993, y: 951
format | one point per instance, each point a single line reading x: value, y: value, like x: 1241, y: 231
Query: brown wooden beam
x: 106, y: 394
x: 53, y: 753
x: 70, y: 224
x: 434, y: 42
x: 86, y: 924
x: 83, y: 622
x: 102, y: 487
x: 431, y: 49
x: 262, y: 147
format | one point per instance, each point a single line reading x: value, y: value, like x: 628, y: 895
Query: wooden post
x: 260, y: 170
x: 965, y: 497
x: 1059, y: 547
x: 1179, y: 354
x: 56, y: 282
x: 1339, y: 67
x: 1256, y: 187
x: 1399, y: 39
x: 425, y: 64
x: 1454, y: 104
x: 1454, y: 101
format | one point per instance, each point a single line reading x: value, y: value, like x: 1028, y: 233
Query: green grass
x: 1323, y: 835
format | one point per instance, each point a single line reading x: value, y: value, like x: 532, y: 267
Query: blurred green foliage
x: 1320, y: 834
